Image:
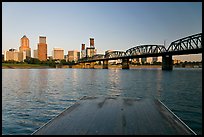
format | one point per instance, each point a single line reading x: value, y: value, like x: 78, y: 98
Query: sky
x: 113, y: 25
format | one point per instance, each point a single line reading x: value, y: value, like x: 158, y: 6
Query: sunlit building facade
x: 83, y: 51
x: 14, y: 55
x: 25, y: 46
x: 35, y: 53
x: 42, y: 49
x: 58, y: 53
x: 73, y: 55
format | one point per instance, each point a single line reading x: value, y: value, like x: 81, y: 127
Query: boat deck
x: 116, y: 116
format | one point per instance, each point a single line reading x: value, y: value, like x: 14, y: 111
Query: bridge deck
x: 115, y: 116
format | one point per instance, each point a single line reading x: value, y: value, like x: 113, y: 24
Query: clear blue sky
x: 113, y: 25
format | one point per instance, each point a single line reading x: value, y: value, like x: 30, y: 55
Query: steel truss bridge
x: 187, y: 45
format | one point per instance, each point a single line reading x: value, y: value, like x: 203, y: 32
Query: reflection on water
x: 114, y: 81
x: 25, y: 77
x: 159, y: 84
x: 31, y: 97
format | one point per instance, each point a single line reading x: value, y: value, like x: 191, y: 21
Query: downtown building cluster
x: 58, y: 53
x: 41, y: 52
x: 25, y: 51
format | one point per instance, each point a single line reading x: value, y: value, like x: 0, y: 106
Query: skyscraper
x: 91, y: 42
x: 25, y: 46
x: 83, y: 51
x: 91, y: 51
x: 42, y: 49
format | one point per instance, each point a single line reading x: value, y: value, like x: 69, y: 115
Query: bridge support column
x: 125, y: 64
x: 105, y: 64
x: 167, y: 63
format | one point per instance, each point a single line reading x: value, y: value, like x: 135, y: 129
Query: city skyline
x: 113, y: 25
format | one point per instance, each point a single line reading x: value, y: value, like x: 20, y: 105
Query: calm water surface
x: 31, y: 97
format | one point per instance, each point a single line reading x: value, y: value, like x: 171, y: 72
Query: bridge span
x: 187, y: 45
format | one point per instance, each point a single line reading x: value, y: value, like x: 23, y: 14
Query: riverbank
x: 38, y: 66
x: 22, y: 66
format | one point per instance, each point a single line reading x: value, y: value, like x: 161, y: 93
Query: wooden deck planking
x: 115, y: 116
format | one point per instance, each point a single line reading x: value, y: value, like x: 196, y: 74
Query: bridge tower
x: 167, y: 62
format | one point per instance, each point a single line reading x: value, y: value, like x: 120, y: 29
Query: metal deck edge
x: 72, y: 106
x: 182, y: 122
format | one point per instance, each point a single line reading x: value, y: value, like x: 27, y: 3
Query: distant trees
x: 53, y: 63
x: 30, y: 60
x: 49, y: 62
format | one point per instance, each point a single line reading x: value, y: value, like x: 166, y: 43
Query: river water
x: 31, y: 97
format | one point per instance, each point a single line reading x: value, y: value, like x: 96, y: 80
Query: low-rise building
x: 15, y: 55
x: 175, y: 61
x: 35, y: 53
x: 58, y: 53
x: 90, y: 51
x: 73, y: 55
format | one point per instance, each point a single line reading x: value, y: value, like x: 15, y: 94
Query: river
x: 31, y: 97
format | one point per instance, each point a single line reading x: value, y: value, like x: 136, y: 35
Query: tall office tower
x: 91, y: 42
x: 42, y: 49
x: 82, y: 46
x: 58, y: 53
x: 25, y: 46
x: 83, y: 51
x: 91, y: 51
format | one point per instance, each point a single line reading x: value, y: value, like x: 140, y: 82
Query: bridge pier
x: 105, y: 64
x: 167, y: 63
x: 125, y: 64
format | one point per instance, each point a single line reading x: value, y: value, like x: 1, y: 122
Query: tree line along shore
x: 43, y: 66
x: 35, y: 63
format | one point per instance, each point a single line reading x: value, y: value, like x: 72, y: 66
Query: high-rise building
x: 58, y: 53
x: 91, y: 51
x: 83, y: 51
x: 42, y: 49
x: 91, y: 42
x: 73, y: 55
x: 25, y: 46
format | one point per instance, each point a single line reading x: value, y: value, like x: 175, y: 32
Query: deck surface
x: 115, y: 116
